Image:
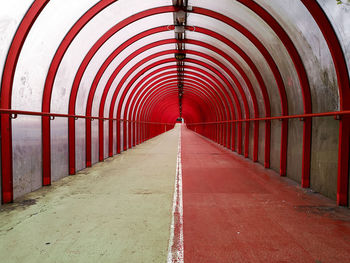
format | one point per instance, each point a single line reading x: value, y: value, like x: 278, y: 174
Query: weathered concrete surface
x: 117, y: 211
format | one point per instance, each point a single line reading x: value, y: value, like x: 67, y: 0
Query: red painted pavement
x: 237, y: 211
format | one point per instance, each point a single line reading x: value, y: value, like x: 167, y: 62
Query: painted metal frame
x: 152, y: 114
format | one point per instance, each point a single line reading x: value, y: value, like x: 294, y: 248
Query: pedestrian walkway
x: 120, y: 210
x: 237, y: 211
x: 116, y: 211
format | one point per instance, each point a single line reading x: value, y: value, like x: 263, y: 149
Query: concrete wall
x: 322, y: 78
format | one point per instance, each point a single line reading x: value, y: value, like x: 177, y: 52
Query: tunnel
x: 244, y: 99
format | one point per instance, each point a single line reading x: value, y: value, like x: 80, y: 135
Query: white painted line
x: 176, y: 241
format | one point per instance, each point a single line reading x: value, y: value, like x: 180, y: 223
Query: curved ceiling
x: 120, y: 60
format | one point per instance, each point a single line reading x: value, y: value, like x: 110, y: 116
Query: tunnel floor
x: 121, y: 211
x: 237, y: 211
x: 117, y: 211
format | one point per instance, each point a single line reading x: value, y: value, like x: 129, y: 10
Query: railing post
x: 118, y: 136
x: 46, y: 149
x: 343, y: 161
x: 71, y: 145
x: 6, y: 162
x: 100, y: 140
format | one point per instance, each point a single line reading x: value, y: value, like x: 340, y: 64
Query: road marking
x: 176, y: 241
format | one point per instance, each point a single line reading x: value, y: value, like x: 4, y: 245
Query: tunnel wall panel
x: 114, y: 136
x: 295, y: 149
x: 59, y: 148
x: 243, y: 138
x: 275, y: 145
x: 80, y: 137
x: 324, y: 157
x: 251, y: 141
x: 121, y: 136
x: 26, y: 156
x: 261, y: 153
x: 339, y: 16
x: 94, y: 142
x: 11, y: 14
x: 105, y: 148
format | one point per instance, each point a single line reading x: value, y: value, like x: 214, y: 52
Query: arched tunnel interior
x: 85, y: 81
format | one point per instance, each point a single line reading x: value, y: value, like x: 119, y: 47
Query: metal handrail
x: 337, y: 115
x: 13, y: 115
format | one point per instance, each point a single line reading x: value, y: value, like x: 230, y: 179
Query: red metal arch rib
x: 213, y: 108
x: 6, y: 94
x: 150, y: 74
x: 231, y: 77
x: 145, y: 83
x: 154, y: 111
x: 195, y: 106
x: 154, y: 103
x: 173, y: 80
x: 162, y: 61
x: 139, y: 97
x: 190, y: 82
x: 111, y: 80
x: 173, y: 105
x: 187, y: 110
x: 211, y: 115
x: 141, y: 86
x: 143, y: 71
x: 217, y: 112
x: 141, y: 91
